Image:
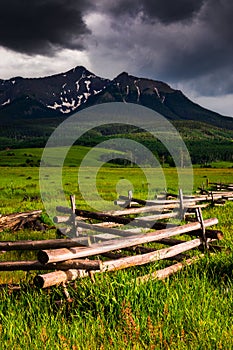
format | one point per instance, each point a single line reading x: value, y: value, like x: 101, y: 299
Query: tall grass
x: 192, y: 309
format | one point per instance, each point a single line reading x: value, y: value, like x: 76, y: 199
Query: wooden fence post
x: 181, y: 198
x: 203, y: 235
x: 74, y: 229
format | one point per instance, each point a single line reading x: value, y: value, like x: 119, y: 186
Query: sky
x: 185, y: 43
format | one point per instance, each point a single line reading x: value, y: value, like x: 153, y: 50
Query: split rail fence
x: 105, y: 245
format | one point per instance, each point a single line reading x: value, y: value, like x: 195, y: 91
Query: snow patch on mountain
x: 88, y: 83
x: 97, y: 91
x: 138, y: 90
x: 65, y: 106
x: 86, y: 95
x: 157, y: 92
x: 6, y: 102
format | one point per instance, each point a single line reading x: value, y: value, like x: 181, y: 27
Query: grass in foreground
x: 190, y: 310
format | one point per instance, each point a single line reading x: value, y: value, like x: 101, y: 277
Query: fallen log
x: 57, y: 277
x: 107, y: 216
x: 95, y: 215
x: 9, y: 217
x: 109, y: 229
x: 167, y: 271
x: 156, y: 255
x: 42, y: 244
x: 55, y: 255
x: 174, y: 214
x: 17, y: 220
x: 186, y: 201
x: 146, y: 209
x: 36, y: 265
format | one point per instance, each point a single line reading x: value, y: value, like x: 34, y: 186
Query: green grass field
x: 192, y: 309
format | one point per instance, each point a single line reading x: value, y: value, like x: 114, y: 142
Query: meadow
x: 192, y: 309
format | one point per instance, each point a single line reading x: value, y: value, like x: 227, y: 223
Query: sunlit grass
x: 190, y: 310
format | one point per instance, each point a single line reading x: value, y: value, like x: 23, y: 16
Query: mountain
x: 30, y: 109
x: 54, y: 95
x: 48, y: 100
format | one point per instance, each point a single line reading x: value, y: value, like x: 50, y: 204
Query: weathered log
x: 46, y: 256
x: 139, y: 249
x: 167, y: 271
x: 66, y: 220
x: 62, y: 219
x: 96, y: 215
x: 36, y: 265
x: 14, y: 216
x: 125, y: 233
x: 187, y: 200
x: 117, y: 219
x: 58, y: 277
x: 103, y: 216
x: 155, y: 202
x: 42, y: 244
x: 105, y: 233
x: 16, y: 220
x: 157, y: 217
x: 156, y: 255
x: 147, y: 209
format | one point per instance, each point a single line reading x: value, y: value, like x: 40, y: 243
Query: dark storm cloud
x: 166, y: 11
x: 206, y: 56
x: 42, y: 26
x: 183, y: 40
x: 171, y: 11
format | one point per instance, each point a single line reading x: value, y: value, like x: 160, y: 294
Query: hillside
x: 30, y: 109
x: 58, y: 96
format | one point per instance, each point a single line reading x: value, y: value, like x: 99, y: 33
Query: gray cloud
x: 166, y: 11
x: 32, y: 26
x: 178, y: 41
x: 186, y: 42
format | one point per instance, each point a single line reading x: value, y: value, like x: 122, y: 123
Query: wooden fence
x: 106, y: 245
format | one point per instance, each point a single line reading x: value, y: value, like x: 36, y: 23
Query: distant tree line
x: 204, y: 145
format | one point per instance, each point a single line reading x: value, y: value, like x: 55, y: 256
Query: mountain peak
x: 68, y: 92
x: 79, y: 68
x: 123, y: 74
